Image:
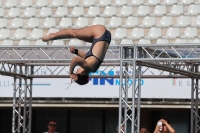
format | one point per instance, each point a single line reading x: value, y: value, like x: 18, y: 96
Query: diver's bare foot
x: 46, y: 38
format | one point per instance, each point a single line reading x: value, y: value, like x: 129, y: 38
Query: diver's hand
x: 72, y: 49
x: 73, y: 77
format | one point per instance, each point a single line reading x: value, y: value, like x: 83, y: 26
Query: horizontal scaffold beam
x: 173, y: 58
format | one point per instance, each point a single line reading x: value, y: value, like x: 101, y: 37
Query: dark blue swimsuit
x: 105, y: 37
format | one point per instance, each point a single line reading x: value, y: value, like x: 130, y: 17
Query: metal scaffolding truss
x: 170, y: 61
x: 22, y: 101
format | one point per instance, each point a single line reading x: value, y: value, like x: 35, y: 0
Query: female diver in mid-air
x: 100, y: 38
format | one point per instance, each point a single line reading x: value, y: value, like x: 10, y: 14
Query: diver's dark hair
x: 82, y: 79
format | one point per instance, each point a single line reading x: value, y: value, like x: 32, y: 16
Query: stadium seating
x: 13, y: 13
x: 169, y: 2
x: 126, y: 11
x: 109, y: 11
x: 113, y: 42
x: 186, y: 2
x: 40, y: 42
x: 131, y: 22
x: 1, y: 12
x: 10, y: 4
x: 142, y: 11
x: 172, y: 33
x: 32, y: 23
x: 56, y: 3
x: 88, y: 3
x: 24, y: 42
x: 17, y: 23
x: 148, y: 22
x: 45, y: 12
x: 190, y: 33
x: 3, y: 23
x: 36, y: 34
x: 7, y: 42
x: 81, y: 22
x: 98, y: 20
x: 29, y: 12
x: 58, y: 42
x: 153, y: 2
x: 52, y: 30
x: 159, y: 21
x: 197, y: 22
x: 176, y: 10
x: 183, y: 21
x: 159, y: 10
x: 137, y: 33
x: 166, y: 21
x: 77, y: 12
x: 41, y: 3
x: 48, y: 23
x: 72, y: 3
x: 193, y: 10
x: 120, y: 2
x: 4, y: 34
x: 74, y: 42
x: 26, y: 3
x: 93, y: 11
x: 126, y: 41
x: 154, y: 33
x: 181, y: 41
x: 88, y: 44
x: 120, y: 33
x: 19, y: 34
x: 197, y: 2
x: 196, y: 41
x: 136, y: 2
x: 162, y: 41
x: 104, y: 3
x: 144, y: 41
x: 114, y: 22
x: 61, y: 12
x: 64, y: 23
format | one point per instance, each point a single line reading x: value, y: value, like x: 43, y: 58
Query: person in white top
x: 52, y: 126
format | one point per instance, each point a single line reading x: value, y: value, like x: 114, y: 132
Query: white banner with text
x: 101, y: 87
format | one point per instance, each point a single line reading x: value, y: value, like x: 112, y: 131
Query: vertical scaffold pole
x: 27, y: 102
x: 197, y: 101
x: 21, y: 119
x: 127, y: 84
x: 195, y: 118
x: 17, y: 91
x: 30, y: 99
x: 125, y: 105
x: 192, y: 105
x: 120, y: 91
x: 133, y: 123
x: 14, y: 103
x: 139, y: 92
